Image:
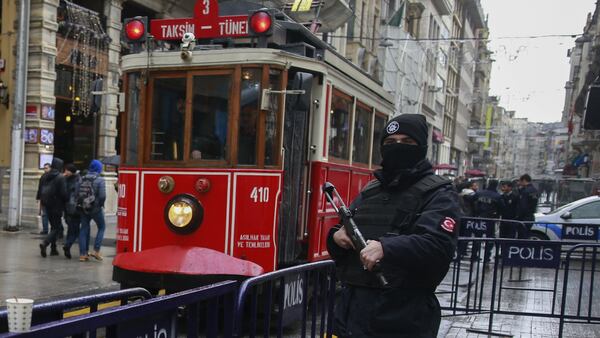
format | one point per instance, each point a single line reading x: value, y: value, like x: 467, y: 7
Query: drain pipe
x: 18, y: 124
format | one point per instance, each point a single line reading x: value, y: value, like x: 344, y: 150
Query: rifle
x: 350, y: 226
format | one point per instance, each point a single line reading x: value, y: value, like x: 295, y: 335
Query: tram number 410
x: 260, y: 194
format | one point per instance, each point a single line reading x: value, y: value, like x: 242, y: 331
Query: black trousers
x: 72, y: 229
x: 368, y: 312
x: 56, y: 227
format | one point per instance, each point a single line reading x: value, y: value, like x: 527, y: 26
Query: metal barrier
x: 55, y: 310
x: 493, y: 285
x: 157, y: 317
x: 577, y: 305
x: 297, y: 292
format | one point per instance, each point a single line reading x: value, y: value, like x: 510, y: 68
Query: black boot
x: 67, y: 251
x: 53, y: 251
x: 43, y: 249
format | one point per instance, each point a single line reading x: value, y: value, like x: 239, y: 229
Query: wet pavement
x: 24, y: 273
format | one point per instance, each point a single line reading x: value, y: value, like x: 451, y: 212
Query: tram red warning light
x: 135, y: 29
x: 260, y: 22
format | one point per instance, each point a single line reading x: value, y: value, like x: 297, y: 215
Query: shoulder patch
x: 448, y: 224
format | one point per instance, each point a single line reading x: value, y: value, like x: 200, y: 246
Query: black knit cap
x: 413, y: 125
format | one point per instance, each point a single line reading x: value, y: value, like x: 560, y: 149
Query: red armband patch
x: 448, y: 224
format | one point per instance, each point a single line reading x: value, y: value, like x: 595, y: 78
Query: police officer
x: 509, y: 211
x: 528, y: 200
x: 488, y: 202
x: 409, y: 217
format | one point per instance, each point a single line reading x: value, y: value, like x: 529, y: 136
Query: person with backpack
x: 90, y: 202
x: 72, y: 216
x: 52, y: 193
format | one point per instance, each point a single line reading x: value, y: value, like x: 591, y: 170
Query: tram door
x: 295, y: 143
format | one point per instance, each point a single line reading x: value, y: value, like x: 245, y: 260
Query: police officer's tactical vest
x: 387, y: 213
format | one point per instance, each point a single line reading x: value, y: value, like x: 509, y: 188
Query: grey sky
x: 529, y: 74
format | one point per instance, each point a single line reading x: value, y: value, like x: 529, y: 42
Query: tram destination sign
x: 580, y: 231
x: 205, y: 24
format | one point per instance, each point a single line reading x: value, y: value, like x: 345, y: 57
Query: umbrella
x: 444, y: 166
x: 115, y: 160
x: 474, y: 172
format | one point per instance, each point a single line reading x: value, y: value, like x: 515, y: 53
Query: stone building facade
x: 65, y: 61
x: 582, y: 157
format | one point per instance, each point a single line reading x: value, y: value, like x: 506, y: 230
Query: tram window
x: 210, y: 117
x: 168, y: 119
x: 133, y: 117
x: 379, y: 124
x: 271, y: 122
x: 340, y: 122
x: 362, y: 134
x: 249, y: 100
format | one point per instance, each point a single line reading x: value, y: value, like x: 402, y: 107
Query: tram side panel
x: 127, y: 210
x: 348, y: 181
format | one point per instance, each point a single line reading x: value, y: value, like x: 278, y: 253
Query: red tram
x: 226, y: 145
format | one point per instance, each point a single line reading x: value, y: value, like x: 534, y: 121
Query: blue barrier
x: 289, y: 289
x: 54, y: 310
x: 156, y: 317
x: 578, y: 300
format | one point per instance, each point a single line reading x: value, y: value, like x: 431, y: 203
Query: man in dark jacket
x: 528, y: 200
x: 509, y: 210
x: 52, y: 192
x: 95, y: 213
x: 409, y: 217
x: 488, y: 204
x: 72, y: 215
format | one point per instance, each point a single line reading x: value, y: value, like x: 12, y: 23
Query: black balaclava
x: 398, y: 157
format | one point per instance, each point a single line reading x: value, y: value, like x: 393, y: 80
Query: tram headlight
x: 184, y: 214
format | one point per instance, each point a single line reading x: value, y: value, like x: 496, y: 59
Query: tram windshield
x: 205, y: 118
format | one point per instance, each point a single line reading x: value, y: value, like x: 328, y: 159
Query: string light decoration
x: 84, y: 27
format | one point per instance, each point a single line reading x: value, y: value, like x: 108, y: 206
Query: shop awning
x: 444, y: 166
x: 474, y: 173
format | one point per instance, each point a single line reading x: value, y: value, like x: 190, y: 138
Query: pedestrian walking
x: 528, y: 200
x: 90, y: 202
x: 52, y: 193
x: 72, y: 215
x: 509, y: 211
x: 42, y: 211
x: 409, y: 217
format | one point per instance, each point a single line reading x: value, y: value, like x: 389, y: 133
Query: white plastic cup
x: 19, y: 314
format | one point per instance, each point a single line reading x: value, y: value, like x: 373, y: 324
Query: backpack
x: 86, y: 196
x: 47, y: 194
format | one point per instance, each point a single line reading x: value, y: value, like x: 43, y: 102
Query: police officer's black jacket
x: 418, y: 240
x: 528, y: 200
x: 509, y: 210
x: 488, y: 203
